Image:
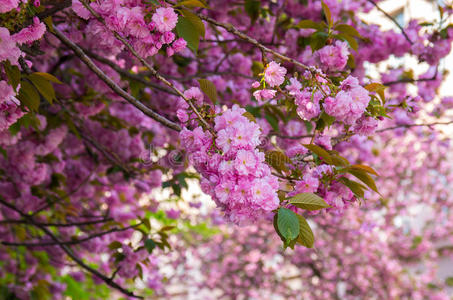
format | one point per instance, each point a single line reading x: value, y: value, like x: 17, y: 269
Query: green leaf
x: 272, y: 121
x: 355, y: 187
x: 44, y: 87
x: 3, y: 152
x: 338, y: 160
x: 190, y: 28
x: 378, y: 88
x: 365, y: 178
x: 252, y: 8
x: 28, y: 95
x: 49, y: 77
x: 319, y: 151
x: 310, y: 24
x: 13, y: 74
x: 308, y: 201
x: 449, y: 281
x: 416, y: 241
x: 364, y: 168
x: 327, y: 13
x: 277, y: 160
x: 288, y: 224
x: 306, y: 237
x: 318, y: 40
x: 249, y: 116
x: 327, y: 119
x: 115, y: 245
x: 209, y: 89
x: 351, y: 41
x: 150, y: 245
x: 191, y: 3
x: 347, y: 29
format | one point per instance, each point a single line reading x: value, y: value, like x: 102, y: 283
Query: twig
x: 127, y: 74
x: 70, y: 253
x: 70, y: 224
x: 414, y: 125
x: 71, y: 242
x: 409, y: 80
x: 393, y: 20
x: 89, y: 63
x: 147, y: 65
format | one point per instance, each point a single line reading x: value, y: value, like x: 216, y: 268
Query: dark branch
x: 393, y: 20
x: 90, y: 64
x: 70, y: 253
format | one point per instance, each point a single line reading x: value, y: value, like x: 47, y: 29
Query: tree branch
x: 89, y: 63
x: 70, y: 253
x: 414, y: 125
x: 127, y: 74
x: 151, y: 69
x: 393, y: 20
x: 70, y: 224
x: 71, y: 242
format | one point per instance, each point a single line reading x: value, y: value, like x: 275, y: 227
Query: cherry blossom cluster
x: 233, y: 169
x: 147, y: 35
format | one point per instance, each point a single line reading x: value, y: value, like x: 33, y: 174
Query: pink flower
x: 264, y: 194
x: 195, y: 94
x: 31, y: 33
x: 7, y: 5
x: 245, y: 162
x: 349, y: 104
x: 7, y: 93
x: 182, y: 115
x: 309, y: 184
x: 274, y: 74
x: 80, y: 10
x: 179, y: 45
x: 307, y: 104
x: 294, y: 86
x: 136, y: 23
x: 8, y: 49
x: 333, y: 57
x: 365, y: 126
x: 264, y: 94
x: 165, y: 19
x: 168, y: 37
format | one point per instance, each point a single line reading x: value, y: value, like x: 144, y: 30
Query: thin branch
x: 90, y: 64
x: 393, y: 20
x: 414, y: 125
x: 127, y: 74
x: 70, y: 253
x: 147, y: 65
x: 409, y: 80
x: 71, y: 242
x: 55, y: 9
x: 69, y: 224
x: 231, y: 29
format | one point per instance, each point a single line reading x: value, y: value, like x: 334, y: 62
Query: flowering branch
x: 89, y: 63
x: 69, y: 251
x: 146, y: 64
x: 393, y: 20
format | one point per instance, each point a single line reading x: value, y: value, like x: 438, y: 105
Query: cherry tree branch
x: 147, y: 65
x: 69, y: 224
x: 90, y: 64
x: 127, y: 74
x: 409, y: 80
x: 71, y: 242
x: 231, y: 29
x: 393, y: 20
x: 70, y: 253
x: 414, y: 125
